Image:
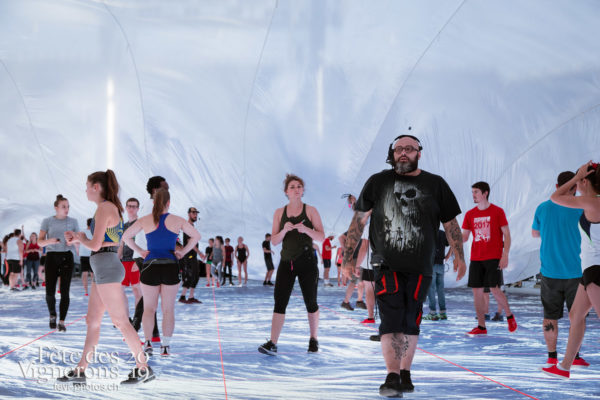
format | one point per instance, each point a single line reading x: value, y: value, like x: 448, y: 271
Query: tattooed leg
x: 392, y: 347
x: 550, y: 333
x: 410, y: 347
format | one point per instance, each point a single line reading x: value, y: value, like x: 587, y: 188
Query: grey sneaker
x: 347, y: 306
x: 269, y: 348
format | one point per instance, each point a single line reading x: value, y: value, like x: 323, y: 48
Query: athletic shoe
x: 391, y: 387
x: 486, y: 316
x: 512, y: 323
x: 138, y: 375
x: 361, y: 304
x: 580, y: 363
x: 313, y: 345
x: 270, y: 283
x: 86, y: 294
x: 269, y: 348
x: 368, y: 321
x: 406, y: 384
x: 164, y: 350
x: 43, y: 284
x: 328, y: 284
x: 193, y: 300
x: 347, y: 306
x: 148, y: 348
x: 556, y: 372
x: 498, y: 317
x: 182, y: 299
x: 25, y: 287
x: 375, y: 338
x: 550, y: 362
x: 443, y: 316
x: 156, y: 339
x: 52, y: 322
x: 477, y: 332
x: 208, y: 285
x: 431, y: 317
x: 218, y: 284
x: 265, y: 283
x: 240, y: 285
x: 72, y: 376
x: 231, y: 284
x: 61, y: 327
x: 33, y: 287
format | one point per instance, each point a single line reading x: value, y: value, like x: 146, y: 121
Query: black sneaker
x: 361, y: 304
x: 52, y: 322
x: 375, y: 338
x: 26, y: 288
x: 164, y: 350
x: 62, y: 327
x: 347, y: 306
x: 73, y: 376
x: 269, y: 348
x: 406, y: 384
x: 264, y: 283
x: 391, y: 387
x: 313, y: 345
x: 33, y: 287
x: 148, y: 348
x: 138, y: 375
x: 182, y: 299
x: 270, y: 283
x: 498, y: 317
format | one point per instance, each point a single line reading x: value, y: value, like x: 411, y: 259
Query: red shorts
x: 131, y: 278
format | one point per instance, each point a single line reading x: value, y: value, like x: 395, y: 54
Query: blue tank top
x: 161, y: 242
x: 111, y: 235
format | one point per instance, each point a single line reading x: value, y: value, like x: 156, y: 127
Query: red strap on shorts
x: 384, y: 288
x: 418, y: 287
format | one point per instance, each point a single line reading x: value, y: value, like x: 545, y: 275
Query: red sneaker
x: 155, y: 339
x: 368, y: 321
x: 44, y: 284
x: 512, y: 323
x: 208, y: 285
x: 218, y: 285
x: 477, y: 332
x: 551, y: 361
x: 580, y: 363
x: 556, y: 372
x: 86, y: 294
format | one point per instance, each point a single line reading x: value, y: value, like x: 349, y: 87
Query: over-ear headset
x: 390, y: 156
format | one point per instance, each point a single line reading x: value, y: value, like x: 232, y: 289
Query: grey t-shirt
x: 56, y: 228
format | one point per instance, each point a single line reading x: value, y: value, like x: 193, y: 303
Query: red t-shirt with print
x: 487, y: 236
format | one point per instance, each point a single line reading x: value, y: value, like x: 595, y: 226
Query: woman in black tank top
x: 295, y: 226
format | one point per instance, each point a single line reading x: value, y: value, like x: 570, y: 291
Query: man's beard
x: 406, y: 167
x: 193, y: 219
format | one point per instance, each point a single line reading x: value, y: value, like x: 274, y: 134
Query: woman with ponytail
x: 106, y: 292
x: 587, y: 180
x: 59, y: 259
x: 160, y: 273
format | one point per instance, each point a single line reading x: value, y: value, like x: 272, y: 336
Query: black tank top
x: 294, y: 242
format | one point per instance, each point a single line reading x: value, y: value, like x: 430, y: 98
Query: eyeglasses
x: 132, y: 206
x: 406, y: 149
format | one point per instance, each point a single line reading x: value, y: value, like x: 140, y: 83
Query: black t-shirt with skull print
x: 407, y: 211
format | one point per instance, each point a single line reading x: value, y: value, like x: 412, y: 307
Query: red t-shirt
x: 228, y: 252
x: 326, y: 254
x: 487, y: 236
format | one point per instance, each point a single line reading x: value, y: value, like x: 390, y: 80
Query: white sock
x: 166, y: 340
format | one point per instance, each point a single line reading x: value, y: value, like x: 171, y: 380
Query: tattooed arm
x: 455, y: 238
x: 353, y: 236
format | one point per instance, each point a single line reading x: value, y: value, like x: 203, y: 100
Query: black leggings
x: 305, y: 268
x: 227, y: 267
x: 58, y: 264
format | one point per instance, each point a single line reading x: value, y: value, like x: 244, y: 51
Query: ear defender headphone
x: 390, y: 156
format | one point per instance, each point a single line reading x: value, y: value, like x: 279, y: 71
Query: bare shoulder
x: 310, y: 210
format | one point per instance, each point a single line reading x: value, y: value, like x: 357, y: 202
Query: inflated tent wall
x: 222, y: 98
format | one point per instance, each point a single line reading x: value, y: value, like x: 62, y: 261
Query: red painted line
x: 441, y: 358
x: 220, y: 347
x: 41, y: 337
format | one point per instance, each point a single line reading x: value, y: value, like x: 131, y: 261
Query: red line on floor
x: 219, y: 337
x: 441, y: 358
x: 41, y: 337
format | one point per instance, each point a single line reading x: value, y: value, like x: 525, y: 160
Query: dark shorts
x: 400, y: 299
x: 554, y: 294
x: 269, y: 263
x: 14, y: 266
x: 85, y: 264
x: 160, y: 272
x: 591, y: 275
x: 326, y: 263
x: 43, y: 260
x: 367, y: 275
x: 484, y: 274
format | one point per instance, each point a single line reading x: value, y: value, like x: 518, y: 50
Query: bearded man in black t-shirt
x: 406, y: 206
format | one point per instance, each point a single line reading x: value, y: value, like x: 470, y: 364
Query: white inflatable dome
x: 222, y: 98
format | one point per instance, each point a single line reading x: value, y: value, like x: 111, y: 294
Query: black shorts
x: 160, y: 272
x: 554, y: 294
x: 591, y: 275
x: 43, y: 260
x: 269, y: 263
x: 14, y: 266
x: 484, y: 274
x: 367, y: 275
x: 326, y: 263
x: 85, y: 264
x: 400, y: 299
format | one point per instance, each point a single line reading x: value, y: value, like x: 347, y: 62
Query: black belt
x: 110, y: 249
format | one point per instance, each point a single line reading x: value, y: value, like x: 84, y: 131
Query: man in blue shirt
x: 557, y: 226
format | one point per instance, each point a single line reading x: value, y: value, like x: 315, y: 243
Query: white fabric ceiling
x: 222, y: 98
